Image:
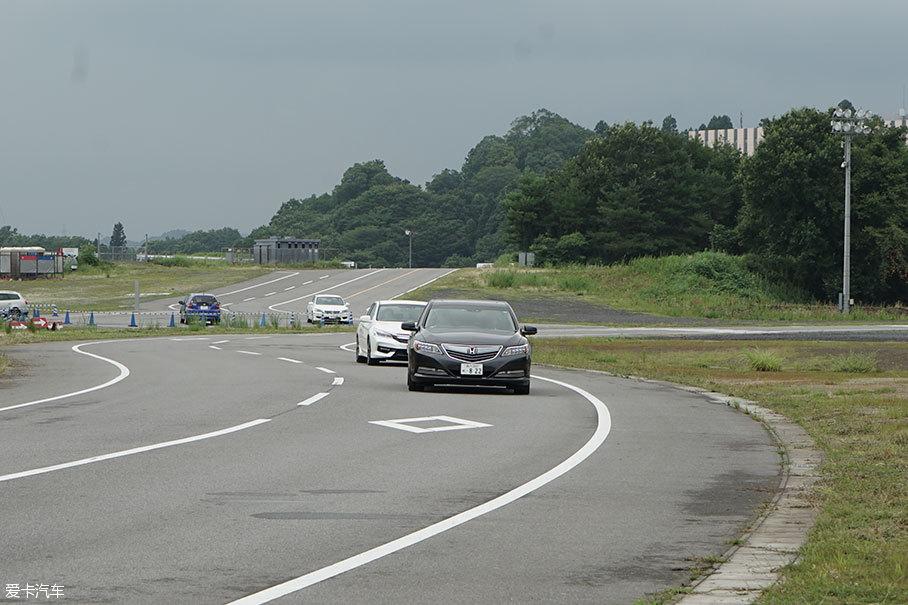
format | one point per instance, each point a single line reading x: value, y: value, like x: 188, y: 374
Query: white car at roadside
x: 379, y: 335
x: 328, y: 309
x: 12, y: 305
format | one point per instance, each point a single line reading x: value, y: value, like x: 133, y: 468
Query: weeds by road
x: 853, y: 400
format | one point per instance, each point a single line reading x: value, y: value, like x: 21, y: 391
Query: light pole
x: 409, y: 234
x: 848, y: 123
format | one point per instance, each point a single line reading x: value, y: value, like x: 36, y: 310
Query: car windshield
x: 329, y: 300
x: 470, y: 320
x: 399, y: 312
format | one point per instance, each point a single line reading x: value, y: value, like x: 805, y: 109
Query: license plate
x: 204, y: 307
x: 471, y: 369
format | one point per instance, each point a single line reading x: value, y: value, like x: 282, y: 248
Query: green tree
x: 118, y: 237
x: 792, y: 219
x: 719, y: 123
x: 669, y: 124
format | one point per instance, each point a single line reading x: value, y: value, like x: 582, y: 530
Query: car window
x: 370, y: 310
x: 468, y: 320
x: 329, y: 300
x: 399, y: 312
x: 204, y: 300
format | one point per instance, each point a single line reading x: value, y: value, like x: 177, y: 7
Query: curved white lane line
x: 602, y: 431
x: 124, y: 372
x: 135, y: 450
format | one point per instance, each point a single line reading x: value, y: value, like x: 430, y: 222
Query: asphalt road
x: 207, y: 468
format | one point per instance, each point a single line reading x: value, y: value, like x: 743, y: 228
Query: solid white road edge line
x: 313, y: 399
x: 602, y: 431
x: 136, y: 450
x: 427, y: 283
x: 124, y: 372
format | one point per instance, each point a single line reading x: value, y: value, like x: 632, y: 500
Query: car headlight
x: 384, y: 334
x: 426, y: 347
x: 518, y: 350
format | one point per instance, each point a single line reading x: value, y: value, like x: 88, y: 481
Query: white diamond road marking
x: 405, y: 424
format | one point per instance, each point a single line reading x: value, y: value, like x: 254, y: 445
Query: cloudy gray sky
x: 207, y: 114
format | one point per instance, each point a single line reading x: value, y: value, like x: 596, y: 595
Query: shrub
x: 764, y: 361
x: 854, y: 362
x: 501, y: 279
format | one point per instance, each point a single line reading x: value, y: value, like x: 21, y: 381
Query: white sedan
x: 379, y: 335
x: 328, y: 309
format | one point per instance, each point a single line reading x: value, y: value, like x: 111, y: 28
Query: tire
x: 359, y: 358
x: 523, y: 389
x: 15, y: 313
x: 413, y: 386
x: 369, y: 359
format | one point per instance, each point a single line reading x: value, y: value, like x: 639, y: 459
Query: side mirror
x: 181, y: 303
x: 363, y: 318
x: 528, y: 330
x: 409, y: 326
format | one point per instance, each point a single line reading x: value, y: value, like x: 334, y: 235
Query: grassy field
x: 853, y: 400
x: 111, y: 288
x: 704, y: 285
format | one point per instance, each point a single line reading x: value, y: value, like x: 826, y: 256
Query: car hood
x: 472, y: 338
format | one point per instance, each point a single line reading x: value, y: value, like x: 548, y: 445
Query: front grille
x: 472, y: 353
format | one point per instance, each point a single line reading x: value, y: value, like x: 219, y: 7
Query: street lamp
x: 848, y: 123
x: 409, y: 234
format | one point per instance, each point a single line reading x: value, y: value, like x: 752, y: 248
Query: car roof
x: 393, y: 301
x: 202, y: 294
x: 10, y: 292
x: 457, y: 302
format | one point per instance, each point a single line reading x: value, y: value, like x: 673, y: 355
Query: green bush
x: 764, y: 361
x: 854, y: 362
x: 501, y: 279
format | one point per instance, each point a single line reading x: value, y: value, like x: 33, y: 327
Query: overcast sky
x: 187, y: 114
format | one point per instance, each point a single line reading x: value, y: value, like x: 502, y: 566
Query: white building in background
x: 746, y: 140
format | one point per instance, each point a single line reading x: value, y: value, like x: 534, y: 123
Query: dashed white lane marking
x: 248, y: 352
x: 306, y: 283
x: 326, y: 370
x: 294, y: 274
x: 290, y: 288
x: 214, y: 347
x: 190, y: 338
x: 219, y: 342
x: 136, y: 450
x: 324, y: 276
x: 313, y: 399
x: 290, y: 360
x: 124, y: 372
x: 338, y: 380
x: 602, y: 431
x: 270, y: 294
x: 453, y: 424
x: 248, y: 299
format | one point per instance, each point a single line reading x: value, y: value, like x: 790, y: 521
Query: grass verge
x: 111, y: 287
x: 706, y: 285
x: 858, y: 550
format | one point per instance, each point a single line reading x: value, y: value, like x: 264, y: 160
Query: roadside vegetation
x: 709, y: 285
x: 853, y: 400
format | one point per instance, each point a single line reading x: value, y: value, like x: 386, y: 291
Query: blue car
x: 205, y: 307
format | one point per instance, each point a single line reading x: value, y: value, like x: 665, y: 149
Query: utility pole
x: 409, y: 234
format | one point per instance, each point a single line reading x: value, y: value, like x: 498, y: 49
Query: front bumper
x: 440, y: 369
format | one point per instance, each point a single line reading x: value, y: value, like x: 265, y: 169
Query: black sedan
x: 471, y: 342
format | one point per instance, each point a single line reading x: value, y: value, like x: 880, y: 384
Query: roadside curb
x: 776, y: 537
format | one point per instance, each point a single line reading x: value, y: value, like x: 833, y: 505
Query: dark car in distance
x: 468, y: 342
x: 204, y: 307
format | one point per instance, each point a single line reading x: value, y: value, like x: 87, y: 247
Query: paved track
x: 181, y: 511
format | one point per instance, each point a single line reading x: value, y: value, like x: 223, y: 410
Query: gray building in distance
x: 280, y: 250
